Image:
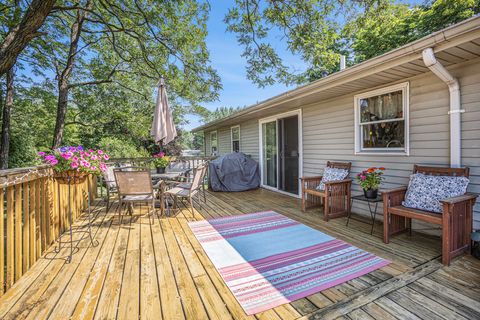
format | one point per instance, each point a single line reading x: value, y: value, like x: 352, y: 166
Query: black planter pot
x: 160, y: 170
x: 371, y: 193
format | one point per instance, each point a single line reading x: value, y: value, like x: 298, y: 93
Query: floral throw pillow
x: 425, y: 191
x: 332, y: 174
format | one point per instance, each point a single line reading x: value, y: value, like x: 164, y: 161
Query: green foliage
x: 319, y: 31
x: 388, y: 26
x: 220, y: 113
x: 119, y: 148
x: 124, y: 49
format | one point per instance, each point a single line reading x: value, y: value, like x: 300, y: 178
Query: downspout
x: 455, y: 112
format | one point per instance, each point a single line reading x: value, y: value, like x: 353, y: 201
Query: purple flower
x: 41, y: 153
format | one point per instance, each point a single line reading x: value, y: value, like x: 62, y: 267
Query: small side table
x: 372, y: 207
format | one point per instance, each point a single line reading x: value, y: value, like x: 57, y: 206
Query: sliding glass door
x: 280, y: 153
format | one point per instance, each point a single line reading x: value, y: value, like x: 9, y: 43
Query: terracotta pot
x: 370, y: 193
x: 70, y: 177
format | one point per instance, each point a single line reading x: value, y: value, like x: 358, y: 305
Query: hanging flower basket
x: 70, y: 177
x: 72, y: 165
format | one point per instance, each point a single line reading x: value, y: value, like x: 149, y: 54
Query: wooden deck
x: 159, y: 271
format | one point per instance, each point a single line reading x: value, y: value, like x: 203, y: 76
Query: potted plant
x: 73, y: 164
x: 370, y: 179
x: 160, y: 161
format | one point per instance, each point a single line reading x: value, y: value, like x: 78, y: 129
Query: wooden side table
x: 372, y: 207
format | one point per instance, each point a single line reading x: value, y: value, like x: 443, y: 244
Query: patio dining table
x: 167, y: 175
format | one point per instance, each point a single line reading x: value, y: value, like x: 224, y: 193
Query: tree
x: 319, y: 31
x: 7, y: 108
x: 220, y: 113
x: 131, y: 41
x: 21, y: 34
x: 388, y: 26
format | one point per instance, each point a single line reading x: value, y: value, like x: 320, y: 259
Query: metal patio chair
x: 134, y: 185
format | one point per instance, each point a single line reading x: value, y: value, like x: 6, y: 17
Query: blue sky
x: 225, y: 54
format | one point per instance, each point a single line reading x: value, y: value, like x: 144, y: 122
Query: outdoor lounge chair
x: 335, y: 197
x: 456, y: 218
x: 134, y: 185
x: 189, y: 190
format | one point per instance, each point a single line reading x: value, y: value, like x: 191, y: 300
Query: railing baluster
x: 10, y: 237
x: 38, y: 222
x: 32, y: 226
x: 2, y: 243
x: 26, y: 229
x: 18, y: 231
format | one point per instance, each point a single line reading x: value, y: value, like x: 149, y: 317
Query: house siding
x: 328, y: 132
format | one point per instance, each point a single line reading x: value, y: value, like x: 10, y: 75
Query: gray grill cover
x: 234, y: 172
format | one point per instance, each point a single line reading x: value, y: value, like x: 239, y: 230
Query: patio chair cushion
x: 425, y: 191
x: 180, y: 192
x: 142, y: 197
x: 332, y: 174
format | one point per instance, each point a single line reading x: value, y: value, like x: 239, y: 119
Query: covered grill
x: 234, y: 172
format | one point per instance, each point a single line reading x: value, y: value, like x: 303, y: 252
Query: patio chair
x: 182, y: 166
x: 188, y: 183
x: 455, y: 219
x: 108, y: 180
x: 134, y: 185
x: 335, y: 196
x: 188, y: 193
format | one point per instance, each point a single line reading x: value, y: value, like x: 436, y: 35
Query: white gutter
x: 455, y: 112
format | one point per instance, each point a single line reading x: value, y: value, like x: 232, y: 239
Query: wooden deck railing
x: 194, y: 161
x: 34, y: 211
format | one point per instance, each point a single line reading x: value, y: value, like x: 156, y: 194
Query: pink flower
x: 100, y: 152
x: 53, y: 162
x: 94, y: 157
x: 105, y: 156
x: 41, y: 153
x: 74, y: 165
x: 93, y: 168
x: 363, y: 178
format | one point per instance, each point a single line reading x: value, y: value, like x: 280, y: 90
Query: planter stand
x: 71, y: 180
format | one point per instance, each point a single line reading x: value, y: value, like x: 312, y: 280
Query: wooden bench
x: 456, y: 219
x: 335, y: 198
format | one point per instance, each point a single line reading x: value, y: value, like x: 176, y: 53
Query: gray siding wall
x: 328, y: 133
x: 249, y: 138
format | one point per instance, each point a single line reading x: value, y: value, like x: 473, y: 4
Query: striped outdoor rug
x: 267, y: 259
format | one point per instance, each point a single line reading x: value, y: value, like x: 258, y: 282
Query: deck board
x: 146, y: 268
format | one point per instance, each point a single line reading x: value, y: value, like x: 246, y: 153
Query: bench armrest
x: 394, y: 197
x: 329, y: 183
x: 310, y: 182
x: 458, y: 199
x: 315, y: 178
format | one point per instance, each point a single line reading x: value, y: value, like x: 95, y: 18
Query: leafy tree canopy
x: 319, y: 31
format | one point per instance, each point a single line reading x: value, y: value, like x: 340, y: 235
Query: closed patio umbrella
x: 163, y: 129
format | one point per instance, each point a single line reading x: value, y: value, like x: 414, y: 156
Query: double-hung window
x: 381, y: 121
x: 235, y: 138
x: 213, y: 143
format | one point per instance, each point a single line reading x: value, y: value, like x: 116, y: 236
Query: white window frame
x: 239, y: 138
x: 211, y: 144
x: 404, y: 87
